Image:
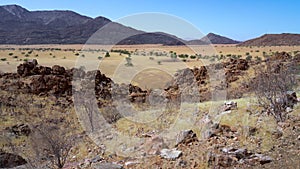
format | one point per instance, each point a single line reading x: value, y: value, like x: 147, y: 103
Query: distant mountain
x: 212, y: 38
x: 152, y: 38
x: 20, y: 26
x: 284, y: 39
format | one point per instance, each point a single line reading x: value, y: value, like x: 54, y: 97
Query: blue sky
x: 239, y: 20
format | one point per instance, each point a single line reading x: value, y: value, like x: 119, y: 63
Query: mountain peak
x: 15, y: 10
x: 218, y: 39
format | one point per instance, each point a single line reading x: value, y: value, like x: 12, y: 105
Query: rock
x: 8, y: 160
x: 231, y: 155
x: 277, y: 133
x: 182, y: 163
x: 26, y: 68
x: 185, y: 137
x: 21, y: 130
x: 154, y: 145
x: 58, y: 70
x: 291, y: 98
x: 230, y: 105
x: 170, y: 154
x: 131, y: 163
x: 263, y: 159
x: 107, y: 166
x: 210, y: 131
x: 298, y: 137
x: 283, y: 124
x: 96, y: 159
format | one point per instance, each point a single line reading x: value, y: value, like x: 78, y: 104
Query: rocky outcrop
x: 231, y: 156
x: 57, y: 81
x: 194, y: 84
x: 9, y: 160
x: 20, y: 130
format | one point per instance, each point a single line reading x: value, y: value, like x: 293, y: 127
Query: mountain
x: 20, y: 26
x: 212, y: 38
x: 284, y: 39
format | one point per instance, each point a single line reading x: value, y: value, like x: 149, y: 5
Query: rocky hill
x: 212, y: 38
x: 284, y: 39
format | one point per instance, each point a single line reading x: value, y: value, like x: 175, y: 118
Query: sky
x: 239, y: 20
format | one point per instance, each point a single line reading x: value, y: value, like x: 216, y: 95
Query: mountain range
x: 23, y: 27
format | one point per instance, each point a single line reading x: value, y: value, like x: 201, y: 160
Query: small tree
x: 128, y: 60
x: 271, y: 84
x: 174, y: 56
x: 52, y: 144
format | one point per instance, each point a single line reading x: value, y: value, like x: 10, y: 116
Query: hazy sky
x: 239, y: 20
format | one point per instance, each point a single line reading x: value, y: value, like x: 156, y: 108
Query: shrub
x: 271, y: 85
x: 193, y: 57
x: 249, y: 57
x: 128, y: 60
x: 107, y: 54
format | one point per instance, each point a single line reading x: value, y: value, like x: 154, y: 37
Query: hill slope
x: 284, y: 39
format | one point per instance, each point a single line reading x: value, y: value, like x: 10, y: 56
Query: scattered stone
x: 263, y: 159
x: 185, y: 137
x: 182, y: 163
x: 170, y: 154
x: 291, y: 98
x: 107, y: 166
x: 154, y: 145
x: 283, y: 124
x: 230, y: 105
x: 277, y: 133
x: 96, y: 159
x: 131, y: 163
x: 232, y: 155
x: 288, y: 109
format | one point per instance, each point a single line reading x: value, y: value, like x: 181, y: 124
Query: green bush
x: 249, y: 57
x: 193, y: 57
x: 107, y: 54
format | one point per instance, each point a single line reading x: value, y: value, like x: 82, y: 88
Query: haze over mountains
x: 23, y: 27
